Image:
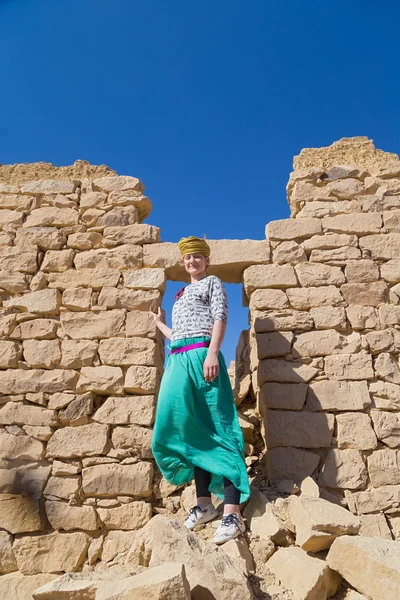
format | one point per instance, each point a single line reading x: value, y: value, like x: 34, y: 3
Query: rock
x: 141, y: 380
x: 306, y: 298
x: 289, y: 253
x: 78, y: 410
x: 141, y: 324
x: 57, y: 260
x: 77, y: 299
x: 42, y: 354
x: 349, y: 366
x: 345, y: 189
x: 298, y: 429
x: 63, y: 469
x: 87, y: 278
x: 21, y: 587
x: 384, y: 467
x: 343, y: 469
x: 131, y: 234
x: 370, y: 565
x: 307, y: 577
x: 78, y: 353
x: 127, y: 256
x: 329, y: 317
x: 354, y: 430
x: 290, y: 463
x: 288, y: 229
x: 75, y: 586
x: 375, y: 526
x: 380, y: 341
x: 53, y: 553
x: 52, y: 216
x: 353, y: 595
x: 60, y: 400
x: 134, y: 438
x: 15, y: 259
x: 128, y: 516
x: 387, y: 368
x: 66, y: 488
x: 41, y: 329
x: 118, y: 184
x: 109, y: 480
x: 268, y: 276
x: 328, y: 241
x: 126, y: 410
x: 116, y: 543
x: 314, y: 275
x: 362, y: 317
x: 20, y: 447
x: 386, y: 395
x: 129, y: 299
x: 319, y: 522
x: 48, y: 186
x: 390, y: 271
x: 308, y: 487
x: 84, y: 241
x: 282, y: 371
x: 368, y: 294
x: 121, y: 216
x: 379, y: 499
x: 162, y: 540
x: 268, y: 298
x: 360, y: 224
x: 362, y: 271
x: 46, y: 238
x: 102, y: 380
x: 42, y: 302
x: 284, y: 396
x: 65, y: 517
x: 8, y: 563
x: 86, y: 440
x: 335, y: 256
x: 386, y: 425
x: 239, y: 552
x: 389, y: 315
x: 13, y: 282
x: 16, y: 413
x: 338, y: 396
x: 381, y: 247
x: 272, y: 344
x: 95, y: 325
x: 10, y: 353
x: 282, y: 320
x: 263, y: 521
x: 317, y: 343
x: 126, y: 352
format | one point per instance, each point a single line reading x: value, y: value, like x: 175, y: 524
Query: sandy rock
x: 289, y: 253
x: 10, y: 353
x: 120, y: 216
x: 362, y: 317
x: 84, y: 241
x: 290, y: 463
x: 328, y: 241
x: 383, y: 498
x: 46, y: 238
x: 319, y: 522
x: 381, y: 247
x: 306, y: 298
x: 284, y: 396
x: 322, y: 343
x: 53, y: 553
x: 353, y: 595
x: 268, y: 276
x: 75, y: 586
x: 109, y: 480
x: 59, y: 400
x: 102, y: 380
x: 370, y: 565
x: 140, y: 324
x: 94, y: 325
x: 389, y: 315
x: 129, y: 299
x: 15, y: 259
x: 13, y: 282
x: 386, y: 395
x: 42, y: 302
x: 116, y: 543
x: 314, y: 275
x: 77, y: 299
x: 78, y: 410
x: 345, y: 188
x: 262, y: 520
x: 134, y: 438
x: 343, y: 469
x: 126, y: 410
x: 368, y: 294
x: 52, y: 216
x: 390, y: 271
x: 387, y: 368
x: 380, y: 341
x: 16, y: 413
x: 132, y: 351
x: 395, y: 526
x: 272, y: 344
x: 19, y: 513
x: 57, y: 260
x: 359, y: 224
x: 386, y: 425
x: 338, y: 396
x: 66, y: 488
x: 77, y: 353
x: 281, y: 320
x: 130, y: 234
x: 319, y: 209
x: 20, y: 447
x: 40, y: 329
x: 239, y: 552
x: 287, y: 229
x: 7, y: 324
x: 42, y: 354
x: 307, y: 577
x: 361, y: 271
x: 141, y: 380
x: 354, y: 430
x: 127, y: 256
x: 128, y: 516
x: 308, y: 487
x: 16, y: 586
x: 268, y: 298
x: 93, y: 278
x: 64, y: 469
x: 48, y: 186
x: 384, y: 467
x: 298, y: 429
x: 8, y: 563
x: 118, y: 184
x: 375, y: 526
x: 349, y: 366
x: 65, y: 517
x: 335, y: 256
x: 87, y: 440
x: 133, y: 199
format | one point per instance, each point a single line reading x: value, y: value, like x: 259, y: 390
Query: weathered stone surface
x: 66, y: 488
x: 370, y: 565
x: 7, y: 324
x: 41, y: 302
x: 120, y: 216
x: 262, y: 520
x: 37, y: 380
x: 110, y: 480
x: 361, y: 271
x: 387, y: 368
x: 145, y: 279
x: 362, y: 317
x: 289, y: 253
x: 282, y: 371
x: 93, y: 278
x: 20, y: 447
x: 60, y: 400
x: 57, y: 260
x: 354, y: 430
x: 318, y: 522
x: 345, y: 188
x: 349, y: 366
x: 141, y: 380
x: 10, y: 353
x: 343, y: 469
x: 288, y: 229
x: 92, y: 325
x: 319, y: 209
x: 77, y: 353
x: 268, y: 298
x: 307, y: 577
x: 375, y: 526
x: 48, y: 186
x: 313, y: 275
x: 386, y: 395
x: 384, y: 467
x: 272, y: 344
x: 13, y: 282
x: 128, y: 516
x: 130, y: 234
x: 21, y: 587
x: 101, y: 380
x: 328, y: 241
x: 322, y: 343
x: 391, y: 221
x: 10, y: 217
x: 87, y: 440
x: 130, y: 299
x: 19, y: 513
x: 76, y: 586
x: 366, y: 294
x: 380, y: 341
x: 390, y: 271
x: 8, y: 564
x: 118, y: 184
x: 381, y: 247
x: 298, y: 429
x: 281, y: 320
x: 116, y: 543
x: 383, y: 498
x: 15, y: 259
x: 46, y: 238
x: 141, y: 324
x: 52, y: 216
x: 268, y: 276
x: 77, y: 299
x: 335, y: 256
x: 15, y: 201
x: 131, y: 351
x: 42, y: 354
x: 127, y: 256
x: 52, y: 553
x: 40, y: 329
x: 134, y: 438
x: 305, y: 298
x: 283, y: 396
x: 62, y: 516
x: 126, y: 410
x: 329, y: 317
x: 359, y: 224
x: 84, y: 241
x: 290, y: 463
x: 78, y: 410
x: 387, y: 427
x: 16, y: 413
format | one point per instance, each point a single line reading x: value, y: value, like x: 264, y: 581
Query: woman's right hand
x: 157, y: 315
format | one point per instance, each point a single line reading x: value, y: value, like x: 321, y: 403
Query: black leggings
x: 202, y: 480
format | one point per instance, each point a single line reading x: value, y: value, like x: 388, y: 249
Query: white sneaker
x: 230, y: 528
x: 199, y: 515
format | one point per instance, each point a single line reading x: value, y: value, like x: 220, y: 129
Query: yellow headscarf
x: 193, y: 245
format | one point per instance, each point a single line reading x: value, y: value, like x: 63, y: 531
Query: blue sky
x: 207, y: 102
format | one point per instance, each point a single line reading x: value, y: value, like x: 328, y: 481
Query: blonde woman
x: 196, y: 432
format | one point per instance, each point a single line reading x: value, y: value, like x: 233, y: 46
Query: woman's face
x: 195, y: 264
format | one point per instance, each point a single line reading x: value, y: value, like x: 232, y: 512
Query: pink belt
x: 190, y: 347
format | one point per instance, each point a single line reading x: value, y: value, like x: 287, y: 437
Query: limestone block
x: 390, y: 271
x: 145, y: 279
x: 92, y: 278
x: 41, y: 302
x: 386, y: 395
x: 10, y: 217
x: 52, y: 216
x: 20, y: 447
x: 42, y: 354
x: 13, y: 283
x: 281, y: 320
x: 19, y: 513
x: 268, y: 276
x: 387, y: 368
x: 15, y: 201
x: 141, y: 380
x: 7, y: 324
x: 367, y: 294
x: 118, y: 184
x: 313, y: 275
x: 130, y: 351
x: 39, y: 433
x: 10, y: 353
x: 128, y: 516
x: 391, y: 221
x: 113, y: 479
x: 21, y: 587
x: 53, y: 553
x: 239, y: 552
x: 282, y: 371
x: 77, y: 353
x: 268, y: 298
x: 307, y: 577
x: 273, y: 344
x: 16, y: 413
x: 262, y: 520
x: 71, y: 442
x: 328, y: 241
x: 133, y: 199
x: 354, y: 430
x: 298, y: 429
x: 60, y: 400
x: 85, y: 240
x: 336, y: 396
x: 15, y: 259
x: 48, y: 186
x: 322, y: 343
x: 90, y: 217
x: 395, y: 527
x: 129, y: 299
x: 120, y: 216
x: 375, y: 526
x: 389, y: 315
x: 46, y: 238
x: 290, y: 463
x: 130, y: 234
x: 283, y: 396
x: 65, y: 469
x: 289, y: 253
x: 39, y: 329
x: 127, y: 256
x: 306, y: 298
x: 93, y: 199
x: 343, y: 469
x: 380, y: 341
x: 381, y: 247
x: 336, y: 256
x: 384, y: 498
x: 305, y: 191
x: 78, y: 410
x: 126, y: 410
x: 57, y: 260
x: 8, y: 563
x: 134, y: 438
x: 320, y: 209
x: 101, y: 380
x: 349, y: 366
x: 140, y: 323
x: 90, y: 325
x: 384, y: 467
x: 370, y: 565
x: 62, y: 516
x: 362, y: 317
x: 345, y: 189
x: 77, y: 299
x: 37, y: 380
x: 319, y: 522
x: 387, y: 427
x: 329, y: 317
x: 116, y: 542
x: 358, y: 224
x: 76, y: 585
x: 288, y: 229
x: 361, y: 271
x: 62, y: 487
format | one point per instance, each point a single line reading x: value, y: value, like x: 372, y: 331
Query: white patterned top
x: 198, y: 307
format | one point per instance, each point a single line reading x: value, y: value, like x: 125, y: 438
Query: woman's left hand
x: 211, y: 366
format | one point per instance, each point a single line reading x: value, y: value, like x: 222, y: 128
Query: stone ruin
x: 316, y: 381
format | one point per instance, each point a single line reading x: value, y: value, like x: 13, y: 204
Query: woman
x: 196, y: 431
